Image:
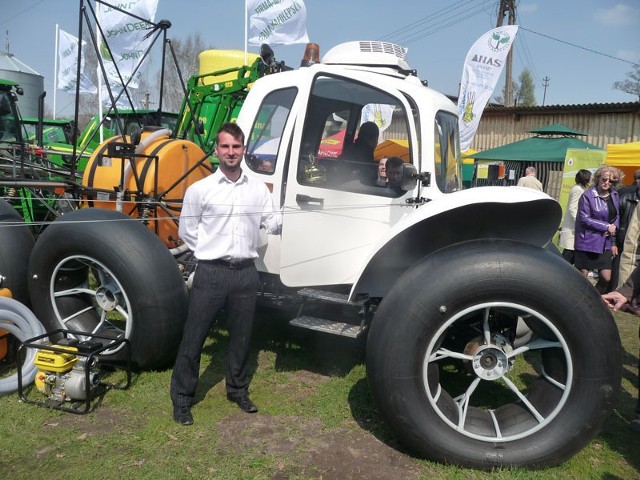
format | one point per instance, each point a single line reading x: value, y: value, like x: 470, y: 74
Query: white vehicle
x: 484, y: 347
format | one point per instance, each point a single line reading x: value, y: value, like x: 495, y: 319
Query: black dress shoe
x: 182, y: 415
x: 243, y: 401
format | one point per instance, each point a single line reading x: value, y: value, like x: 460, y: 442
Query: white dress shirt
x: 221, y: 219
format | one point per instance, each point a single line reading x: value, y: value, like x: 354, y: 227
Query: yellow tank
x: 166, y: 167
x: 214, y: 60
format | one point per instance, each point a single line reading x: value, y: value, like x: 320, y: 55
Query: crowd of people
x: 599, y: 235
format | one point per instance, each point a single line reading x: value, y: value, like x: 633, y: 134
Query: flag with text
x: 482, y: 68
x: 68, y: 65
x: 127, y: 37
x: 277, y: 22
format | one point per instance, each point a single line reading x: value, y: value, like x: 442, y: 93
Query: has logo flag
x: 277, y: 22
x: 68, y: 65
x: 482, y: 68
x: 127, y: 36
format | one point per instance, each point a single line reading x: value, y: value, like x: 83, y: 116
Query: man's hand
x: 615, y: 300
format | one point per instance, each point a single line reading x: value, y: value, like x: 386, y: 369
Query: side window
x: 350, y: 127
x: 448, y: 172
x: 263, y: 142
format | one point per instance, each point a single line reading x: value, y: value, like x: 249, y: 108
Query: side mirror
x: 409, y: 177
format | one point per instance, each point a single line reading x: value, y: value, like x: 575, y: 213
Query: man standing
x: 220, y: 221
x: 625, y: 262
x: 529, y: 180
x: 626, y: 298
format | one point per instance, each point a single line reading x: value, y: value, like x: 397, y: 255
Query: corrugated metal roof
x: 9, y: 62
x: 594, y: 107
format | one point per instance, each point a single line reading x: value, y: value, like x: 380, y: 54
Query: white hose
x: 152, y: 137
x: 179, y: 250
x: 18, y: 320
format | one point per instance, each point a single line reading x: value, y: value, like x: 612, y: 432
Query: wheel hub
x: 106, y: 298
x: 490, y: 363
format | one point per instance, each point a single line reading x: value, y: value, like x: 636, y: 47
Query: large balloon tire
x: 93, y: 264
x: 428, y: 333
x: 16, y: 241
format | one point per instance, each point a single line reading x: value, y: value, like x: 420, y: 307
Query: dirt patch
x: 101, y: 421
x: 308, y: 450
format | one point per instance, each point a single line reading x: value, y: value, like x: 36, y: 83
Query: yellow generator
x: 62, y: 373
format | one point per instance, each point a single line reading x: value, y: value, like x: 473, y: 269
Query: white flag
x: 379, y: 113
x: 277, y: 22
x: 125, y: 36
x: 68, y: 65
x: 482, y: 68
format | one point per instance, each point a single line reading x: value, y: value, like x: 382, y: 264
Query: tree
x: 187, y: 53
x: 523, y: 93
x: 526, y: 93
x: 632, y: 84
x: 514, y: 89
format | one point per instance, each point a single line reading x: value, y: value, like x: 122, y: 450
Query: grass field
x: 316, y: 420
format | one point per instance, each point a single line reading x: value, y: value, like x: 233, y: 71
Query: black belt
x: 230, y: 264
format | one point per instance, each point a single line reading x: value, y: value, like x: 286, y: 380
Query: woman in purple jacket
x: 596, y: 225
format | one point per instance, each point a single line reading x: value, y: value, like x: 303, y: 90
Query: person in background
x: 381, y: 180
x: 625, y: 262
x: 220, y: 221
x: 567, y: 231
x: 362, y: 149
x: 596, y: 225
x: 394, y: 173
x: 529, y: 180
x: 626, y: 298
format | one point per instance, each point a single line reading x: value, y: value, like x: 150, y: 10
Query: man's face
x: 394, y: 176
x: 229, y: 151
x: 382, y: 168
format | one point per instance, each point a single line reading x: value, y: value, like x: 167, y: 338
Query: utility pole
x: 545, y: 84
x: 507, y: 6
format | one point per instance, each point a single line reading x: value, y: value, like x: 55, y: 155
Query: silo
x: 31, y: 82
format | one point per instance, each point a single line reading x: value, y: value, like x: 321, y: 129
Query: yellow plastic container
x: 214, y: 60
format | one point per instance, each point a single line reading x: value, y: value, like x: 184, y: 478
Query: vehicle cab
x: 299, y: 127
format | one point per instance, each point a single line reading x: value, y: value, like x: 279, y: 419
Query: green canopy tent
x: 546, y: 151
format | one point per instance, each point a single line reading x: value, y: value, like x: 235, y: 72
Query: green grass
x: 316, y: 420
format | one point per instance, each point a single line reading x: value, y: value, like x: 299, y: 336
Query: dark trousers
x: 215, y: 287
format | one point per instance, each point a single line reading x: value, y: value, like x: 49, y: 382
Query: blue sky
x: 582, y: 46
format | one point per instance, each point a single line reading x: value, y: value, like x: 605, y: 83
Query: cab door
x: 335, y: 212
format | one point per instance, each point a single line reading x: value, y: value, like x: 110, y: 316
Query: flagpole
x: 55, y: 70
x: 246, y: 31
x: 99, y: 71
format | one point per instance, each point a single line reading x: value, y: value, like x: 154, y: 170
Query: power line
x: 7, y: 20
x: 578, y: 46
x: 427, y: 30
x: 426, y: 19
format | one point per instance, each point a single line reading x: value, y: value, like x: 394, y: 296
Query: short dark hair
x: 368, y: 131
x: 232, y: 129
x: 394, y: 162
x: 583, y: 177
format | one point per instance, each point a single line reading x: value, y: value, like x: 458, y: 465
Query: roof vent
x: 380, y: 54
